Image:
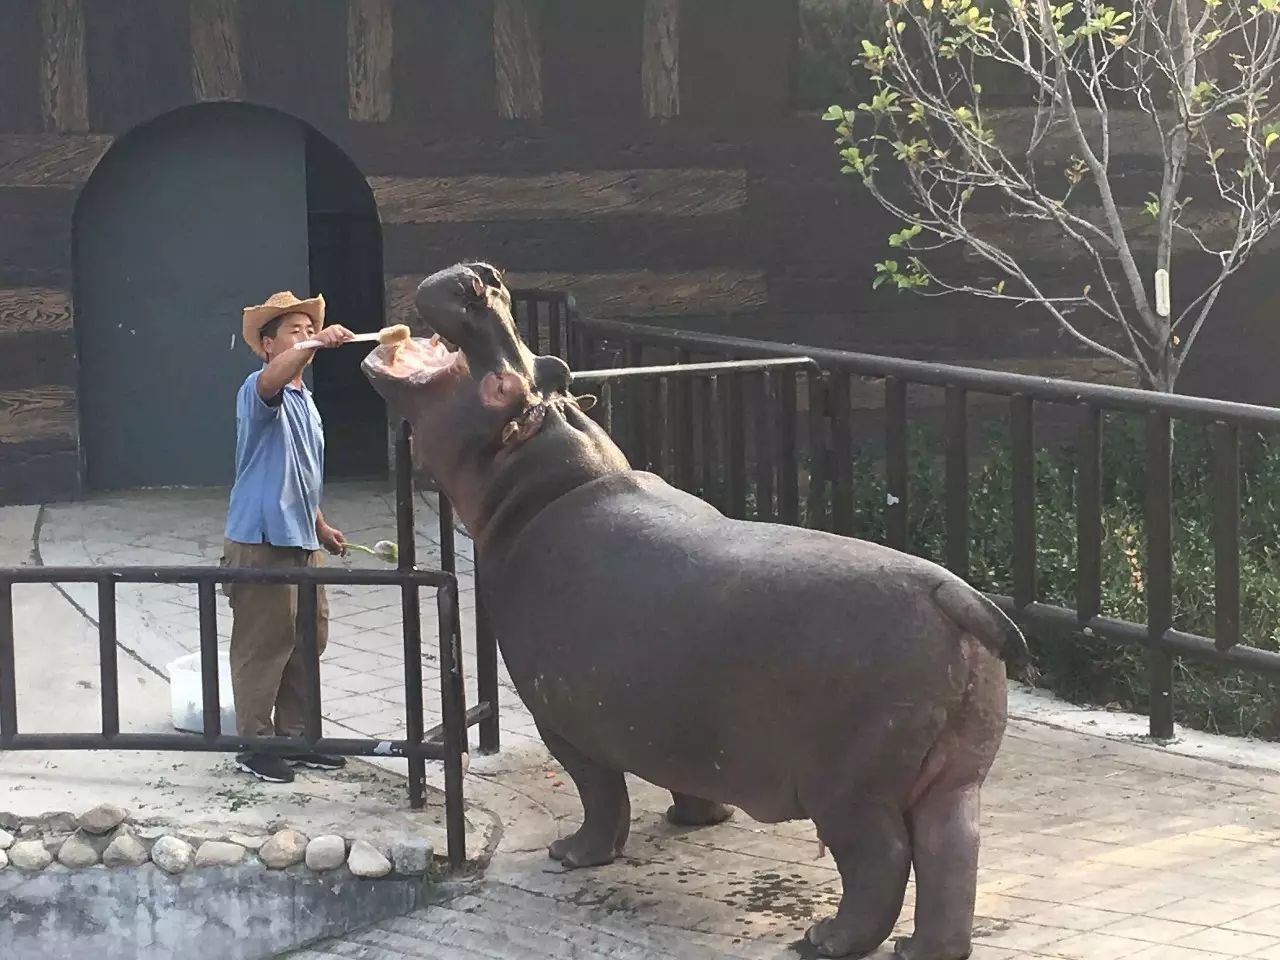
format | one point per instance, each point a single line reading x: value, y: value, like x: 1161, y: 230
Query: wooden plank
x: 1216, y: 228
x: 34, y: 310
x: 293, y: 56
x: 29, y: 360
x: 592, y: 246
x: 39, y: 413
x: 798, y: 149
x: 517, y: 53
x: 442, y: 63
x: 139, y: 61
x: 675, y: 193
x: 591, y: 59
x: 64, y: 88
x: 21, y: 109
x: 735, y: 58
x: 44, y: 160
x: 638, y: 294
x: 215, y: 50
x: 660, y: 58
x: 369, y: 47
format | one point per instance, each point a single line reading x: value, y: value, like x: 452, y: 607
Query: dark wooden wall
x: 643, y: 153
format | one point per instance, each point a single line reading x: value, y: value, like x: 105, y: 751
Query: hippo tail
x: 977, y: 615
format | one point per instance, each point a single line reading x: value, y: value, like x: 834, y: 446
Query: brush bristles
x: 396, y: 334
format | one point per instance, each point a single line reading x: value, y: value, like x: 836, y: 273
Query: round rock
x: 219, y: 853
x: 4, y: 859
x: 284, y: 849
x: 6, y: 840
x: 326, y: 853
x: 125, y: 850
x: 102, y: 819
x: 411, y: 856
x: 366, y: 861
x: 172, y: 855
x: 77, y: 852
x: 30, y: 855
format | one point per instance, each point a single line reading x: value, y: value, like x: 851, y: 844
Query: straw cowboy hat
x: 255, y: 318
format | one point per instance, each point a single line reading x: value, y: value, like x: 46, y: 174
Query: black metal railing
x: 776, y: 443
x: 446, y: 742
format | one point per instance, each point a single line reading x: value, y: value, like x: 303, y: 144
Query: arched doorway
x: 186, y: 220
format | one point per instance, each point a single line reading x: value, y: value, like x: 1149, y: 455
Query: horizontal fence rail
x: 772, y: 439
x: 446, y: 742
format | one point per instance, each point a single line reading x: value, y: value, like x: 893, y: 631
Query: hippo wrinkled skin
x: 788, y: 672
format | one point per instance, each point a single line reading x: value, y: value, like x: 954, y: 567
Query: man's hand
x: 331, y: 538
x: 333, y: 336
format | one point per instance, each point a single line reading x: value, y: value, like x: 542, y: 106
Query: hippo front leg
x: 606, y: 820
x: 687, y: 811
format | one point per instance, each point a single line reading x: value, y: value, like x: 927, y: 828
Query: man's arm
x: 288, y: 366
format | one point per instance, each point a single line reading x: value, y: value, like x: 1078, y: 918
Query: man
x: 274, y: 521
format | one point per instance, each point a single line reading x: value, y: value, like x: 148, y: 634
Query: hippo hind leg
x: 870, y: 845
x: 688, y: 811
x: 944, y: 821
x: 606, y: 820
x: 944, y: 841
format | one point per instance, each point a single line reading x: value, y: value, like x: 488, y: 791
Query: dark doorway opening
x: 345, y: 247
x: 189, y: 218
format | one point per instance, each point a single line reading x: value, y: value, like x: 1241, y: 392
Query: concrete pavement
x: 1096, y: 847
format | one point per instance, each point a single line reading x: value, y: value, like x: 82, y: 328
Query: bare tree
x: 1190, y: 79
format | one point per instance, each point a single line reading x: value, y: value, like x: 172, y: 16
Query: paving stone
x: 252, y: 842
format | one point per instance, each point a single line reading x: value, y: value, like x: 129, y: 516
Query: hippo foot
x: 576, y: 850
x: 695, y: 812
x: 912, y: 948
x: 842, y: 937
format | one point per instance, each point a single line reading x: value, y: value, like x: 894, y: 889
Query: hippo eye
x: 490, y: 275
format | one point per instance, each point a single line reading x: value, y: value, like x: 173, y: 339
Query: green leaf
x: 834, y: 113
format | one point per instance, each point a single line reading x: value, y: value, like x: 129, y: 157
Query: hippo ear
x: 504, y: 391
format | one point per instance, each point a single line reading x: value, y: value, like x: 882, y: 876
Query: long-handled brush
x: 387, y: 335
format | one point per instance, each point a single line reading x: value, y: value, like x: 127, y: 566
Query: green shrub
x: 1087, y: 670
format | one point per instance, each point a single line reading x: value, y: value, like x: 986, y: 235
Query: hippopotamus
x: 787, y: 672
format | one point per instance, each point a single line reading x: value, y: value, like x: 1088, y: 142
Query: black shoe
x: 266, y: 767
x: 317, y: 761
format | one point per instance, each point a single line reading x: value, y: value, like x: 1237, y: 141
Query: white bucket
x: 186, y: 695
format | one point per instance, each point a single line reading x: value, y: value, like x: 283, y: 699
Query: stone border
x: 106, y: 836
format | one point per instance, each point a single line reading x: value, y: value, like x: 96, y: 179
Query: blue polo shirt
x: 279, y: 468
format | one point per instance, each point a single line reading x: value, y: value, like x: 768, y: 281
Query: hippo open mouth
x: 412, y: 361
x: 417, y: 362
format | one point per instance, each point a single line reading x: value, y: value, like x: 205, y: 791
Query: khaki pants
x: 267, y: 672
